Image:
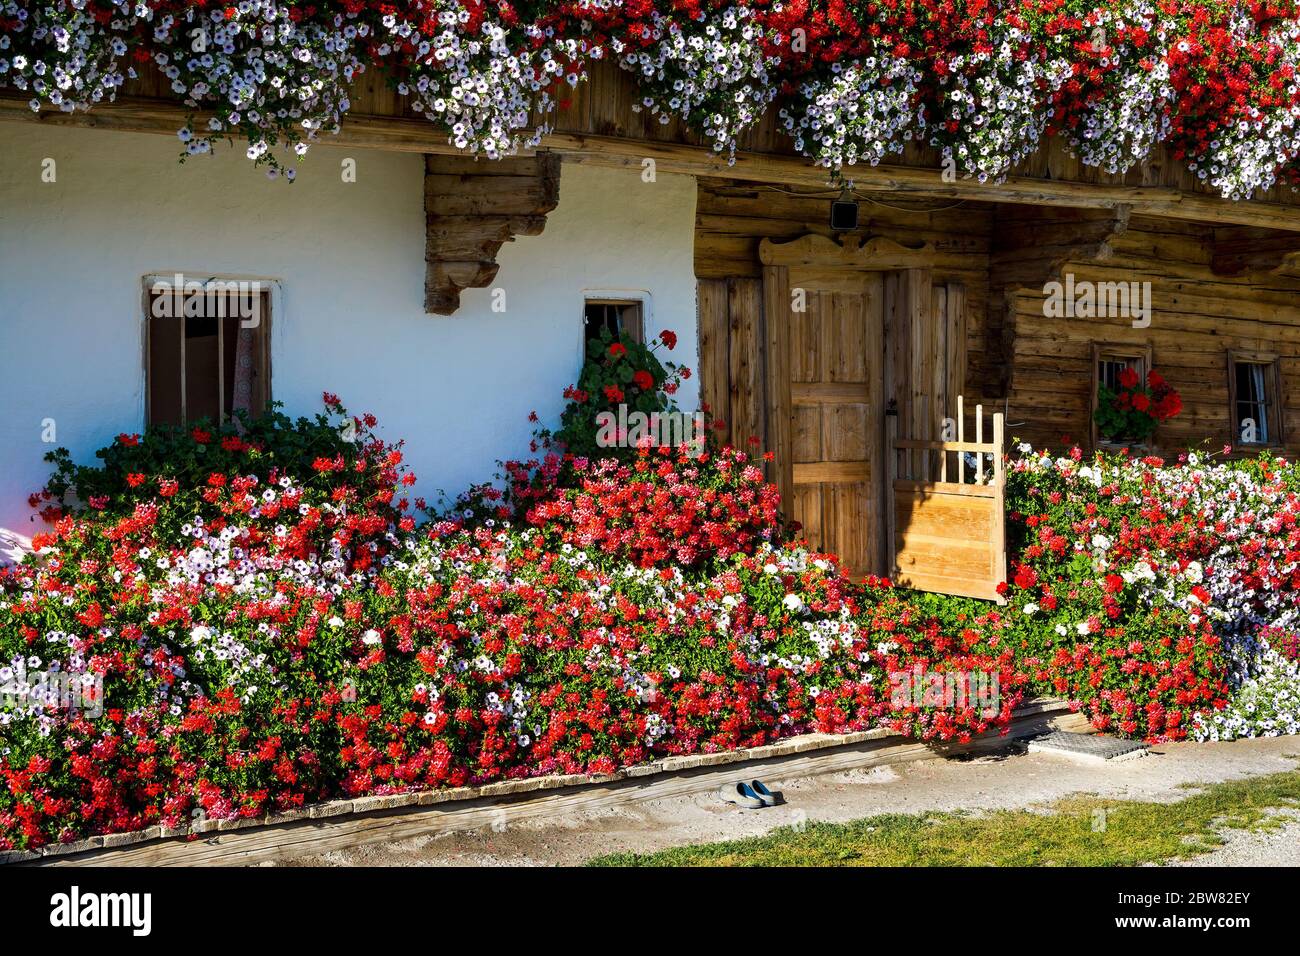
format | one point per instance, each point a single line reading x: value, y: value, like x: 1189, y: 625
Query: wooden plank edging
x: 179, y: 846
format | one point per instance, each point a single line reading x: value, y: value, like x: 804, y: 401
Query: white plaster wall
x: 349, y: 261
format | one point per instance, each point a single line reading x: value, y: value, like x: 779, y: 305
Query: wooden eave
x: 596, y: 126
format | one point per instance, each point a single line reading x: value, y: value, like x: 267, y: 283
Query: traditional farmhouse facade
x: 850, y: 328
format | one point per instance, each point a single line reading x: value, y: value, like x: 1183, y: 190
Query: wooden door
x: 925, y: 368
x: 831, y: 331
x: 808, y: 363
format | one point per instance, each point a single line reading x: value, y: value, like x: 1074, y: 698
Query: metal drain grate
x: 1088, y: 747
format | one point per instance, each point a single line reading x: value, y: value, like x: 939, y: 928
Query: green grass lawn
x: 1077, y: 831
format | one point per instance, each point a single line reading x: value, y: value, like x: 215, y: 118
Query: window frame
x: 638, y: 297
x: 1273, y: 363
x: 271, y: 334
x: 1116, y: 351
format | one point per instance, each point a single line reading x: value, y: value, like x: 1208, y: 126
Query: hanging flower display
x: 709, y: 71
x: 278, y: 78
x: 982, y: 81
x: 861, y: 113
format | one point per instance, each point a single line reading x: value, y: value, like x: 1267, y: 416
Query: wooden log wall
x: 1212, y: 290
x: 1030, y: 246
x: 1197, y: 317
x: 1240, y: 250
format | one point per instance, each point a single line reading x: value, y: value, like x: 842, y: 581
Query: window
x: 1108, y: 361
x: 207, y: 349
x: 1109, y: 369
x: 1254, y: 396
x: 615, y: 315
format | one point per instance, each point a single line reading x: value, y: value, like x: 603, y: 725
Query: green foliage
x: 618, y: 372
x: 188, y: 454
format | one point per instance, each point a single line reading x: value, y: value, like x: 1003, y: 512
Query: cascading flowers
x: 1116, y: 106
x: 982, y: 81
x: 1242, y: 124
x: 65, y: 55
x: 482, y: 78
x: 709, y: 71
x: 993, y: 97
x: 859, y: 114
x: 264, y: 72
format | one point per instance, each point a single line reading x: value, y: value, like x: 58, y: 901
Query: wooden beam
x: 1249, y: 250
x: 794, y: 171
x: 1031, y: 245
x: 879, y: 253
x: 400, y: 134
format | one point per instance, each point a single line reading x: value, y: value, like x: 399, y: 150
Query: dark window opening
x: 615, y: 317
x: 1254, y: 417
x: 210, y: 363
x: 1109, y: 369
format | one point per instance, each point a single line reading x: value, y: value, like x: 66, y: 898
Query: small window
x: 1109, y: 370
x: 615, y: 316
x: 1254, y: 393
x: 206, y: 353
x: 1109, y: 362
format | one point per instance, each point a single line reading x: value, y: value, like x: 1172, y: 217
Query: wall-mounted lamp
x: 844, y: 212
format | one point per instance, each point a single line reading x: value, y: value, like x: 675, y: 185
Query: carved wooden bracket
x: 472, y: 208
x: 1245, y: 250
x: 819, y: 251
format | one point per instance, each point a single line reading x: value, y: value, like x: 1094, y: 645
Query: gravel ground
x: 1003, y: 780
x: 1280, y: 848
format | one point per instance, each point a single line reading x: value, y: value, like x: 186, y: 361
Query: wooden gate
x: 948, y: 520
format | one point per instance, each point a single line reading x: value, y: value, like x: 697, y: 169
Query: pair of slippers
x: 753, y: 795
